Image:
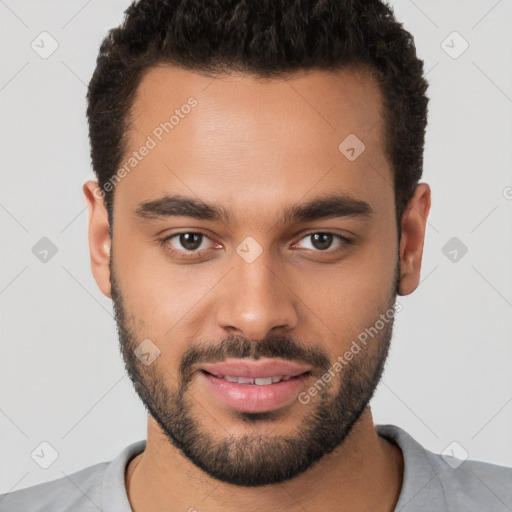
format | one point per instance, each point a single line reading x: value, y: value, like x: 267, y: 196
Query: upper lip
x: 255, y: 369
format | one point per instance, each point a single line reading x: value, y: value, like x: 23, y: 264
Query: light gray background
x: 62, y: 379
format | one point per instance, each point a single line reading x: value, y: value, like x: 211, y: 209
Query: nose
x: 256, y: 298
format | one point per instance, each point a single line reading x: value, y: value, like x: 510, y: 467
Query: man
x: 256, y: 212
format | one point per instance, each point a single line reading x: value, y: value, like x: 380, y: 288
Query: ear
x: 99, y: 237
x: 414, y: 221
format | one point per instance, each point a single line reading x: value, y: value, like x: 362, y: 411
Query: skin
x: 255, y: 147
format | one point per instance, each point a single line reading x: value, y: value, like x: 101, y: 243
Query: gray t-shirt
x: 431, y: 483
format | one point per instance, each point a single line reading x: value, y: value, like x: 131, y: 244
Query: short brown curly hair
x: 269, y: 39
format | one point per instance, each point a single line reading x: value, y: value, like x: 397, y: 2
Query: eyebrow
x: 330, y: 206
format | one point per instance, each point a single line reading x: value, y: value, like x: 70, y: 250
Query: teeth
x: 260, y: 381
x: 263, y: 381
x: 245, y: 380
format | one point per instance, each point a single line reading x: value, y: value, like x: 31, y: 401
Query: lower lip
x: 255, y: 398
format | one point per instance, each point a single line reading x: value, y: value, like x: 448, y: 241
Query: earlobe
x: 99, y: 237
x: 414, y: 223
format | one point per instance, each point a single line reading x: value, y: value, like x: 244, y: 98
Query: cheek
x: 350, y: 296
x: 162, y: 299
x: 152, y: 298
x: 149, y: 280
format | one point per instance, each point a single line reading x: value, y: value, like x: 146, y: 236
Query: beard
x: 255, y: 459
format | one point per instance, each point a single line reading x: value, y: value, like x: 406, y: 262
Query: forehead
x: 244, y: 139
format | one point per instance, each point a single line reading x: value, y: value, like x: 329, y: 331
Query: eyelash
x: 196, y: 254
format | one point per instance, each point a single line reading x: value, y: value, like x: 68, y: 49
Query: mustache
x: 239, y: 347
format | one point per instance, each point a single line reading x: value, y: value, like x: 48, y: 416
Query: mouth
x: 257, y: 381
x: 255, y: 386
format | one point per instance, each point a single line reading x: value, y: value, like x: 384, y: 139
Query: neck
x: 364, y: 473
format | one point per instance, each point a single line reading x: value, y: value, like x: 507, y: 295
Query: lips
x: 255, y: 386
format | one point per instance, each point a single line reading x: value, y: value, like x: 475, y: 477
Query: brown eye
x: 324, y: 241
x: 186, y: 242
x: 190, y: 241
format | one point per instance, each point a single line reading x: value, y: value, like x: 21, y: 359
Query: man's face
x: 257, y: 285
